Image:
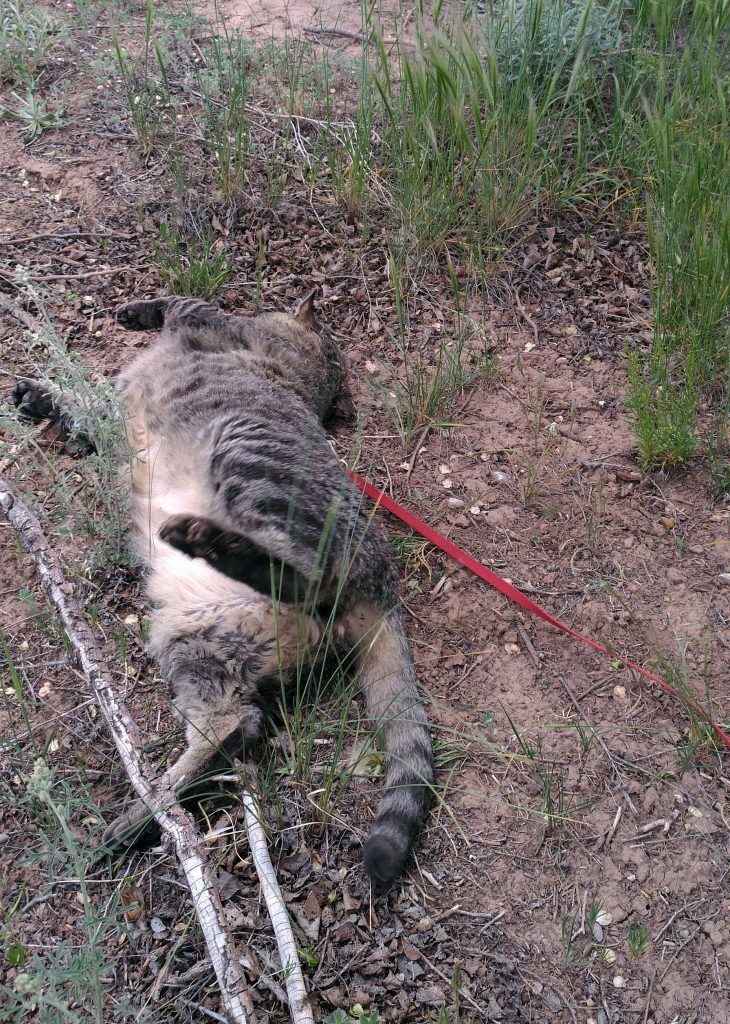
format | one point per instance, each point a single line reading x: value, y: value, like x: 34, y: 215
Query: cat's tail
x: 388, y: 680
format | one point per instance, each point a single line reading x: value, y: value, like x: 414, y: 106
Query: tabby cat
x: 235, y: 487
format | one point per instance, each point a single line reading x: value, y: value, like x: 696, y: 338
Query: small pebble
x: 604, y: 918
x: 597, y: 932
x: 455, y: 503
x: 619, y: 981
x: 448, y: 484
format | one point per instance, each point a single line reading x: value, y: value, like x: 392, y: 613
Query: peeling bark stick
x: 173, y: 820
x: 299, y: 1007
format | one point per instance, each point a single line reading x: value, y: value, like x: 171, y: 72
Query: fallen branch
x: 104, y: 272
x: 173, y: 820
x: 299, y: 1007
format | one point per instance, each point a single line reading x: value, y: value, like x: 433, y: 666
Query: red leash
x: 511, y: 592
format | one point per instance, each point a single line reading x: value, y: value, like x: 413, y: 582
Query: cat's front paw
x: 192, y: 535
x: 32, y: 400
x: 142, y: 314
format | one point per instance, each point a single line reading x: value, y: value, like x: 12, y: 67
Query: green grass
x: 571, y: 104
x: 224, y: 87
x: 423, y: 389
x: 145, y: 86
x: 638, y: 938
x: 484, y: 124
x: 683, y: 147
x: 192, y: 266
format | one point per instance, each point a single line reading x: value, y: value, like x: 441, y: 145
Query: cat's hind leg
x: 213, y: 735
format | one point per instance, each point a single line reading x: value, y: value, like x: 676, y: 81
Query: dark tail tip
x: 386, y: 853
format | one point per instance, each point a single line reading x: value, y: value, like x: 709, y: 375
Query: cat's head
x: 320, y: 359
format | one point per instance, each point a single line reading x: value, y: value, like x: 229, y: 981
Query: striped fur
x: 235, y: 480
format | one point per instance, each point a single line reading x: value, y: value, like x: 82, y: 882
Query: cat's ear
x: 305, y: 312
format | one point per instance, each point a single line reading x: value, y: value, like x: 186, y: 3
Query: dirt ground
x: 578, y: 867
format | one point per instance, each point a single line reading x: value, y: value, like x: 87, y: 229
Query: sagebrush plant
x: 89, y: 503
x: 63, y: 984
x: 27, y: 33
x: 32, y: 114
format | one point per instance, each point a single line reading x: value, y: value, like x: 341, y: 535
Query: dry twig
x: 299, y: 1007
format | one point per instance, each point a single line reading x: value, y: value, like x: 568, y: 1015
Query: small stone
x: 512, y: 648
x: 552, y: 999
x: 444, y: 469
x: 424, y: 924
x: 619, y: 981
x: 619, y: 692
x: 597, y: 932
x: 474, y: 510
x: 448, y: 484
x: 430, y: 996
x: 499, y: 477
x: 605, y: 918
x: 609, y: 956
x: 455, y: 503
